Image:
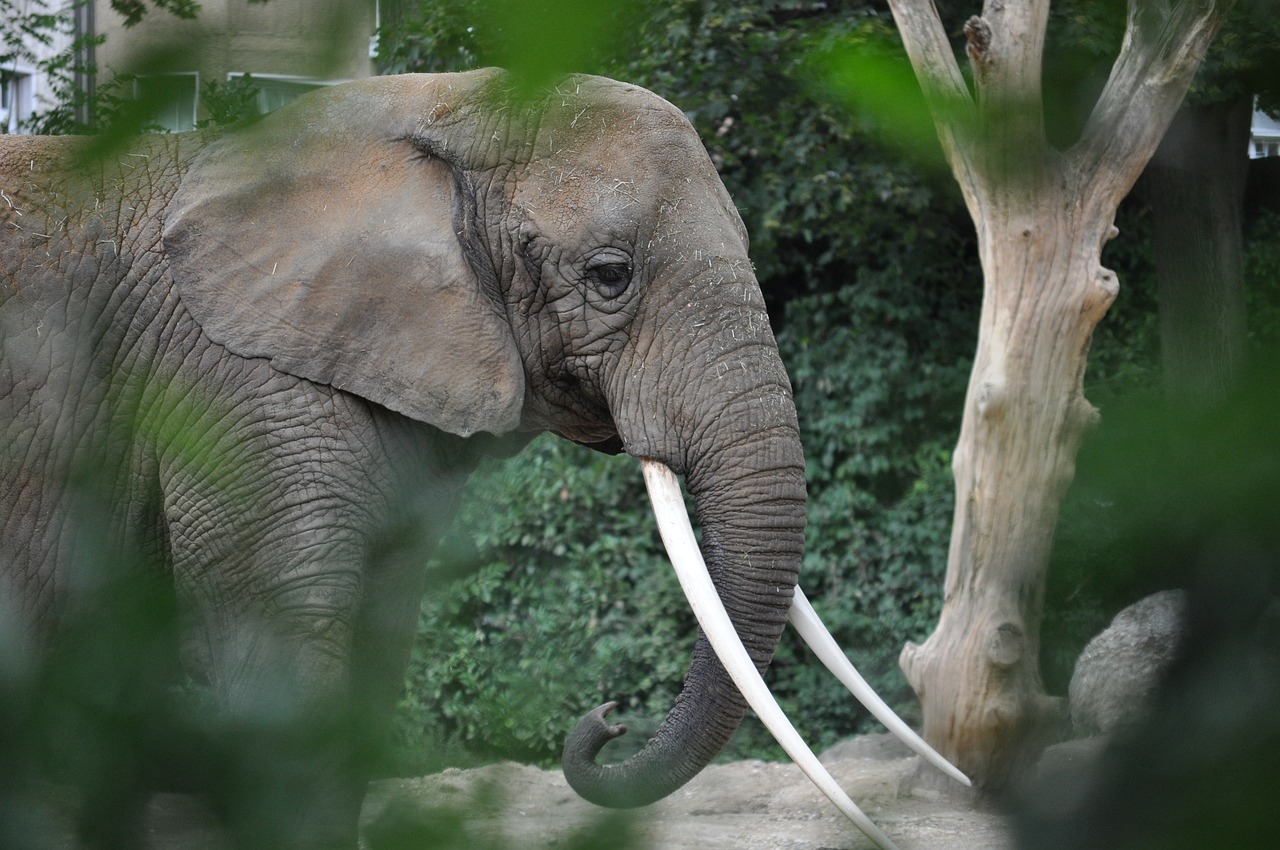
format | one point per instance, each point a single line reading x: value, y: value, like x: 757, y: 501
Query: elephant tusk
x: 815, y: 634
x: 691, y: 570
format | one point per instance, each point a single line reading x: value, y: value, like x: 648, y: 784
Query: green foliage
x: 1242, y: 60
x: 1262, y: 280
x: 113, y: 111
x: 535, y: 41
x: 431, y: 37
x: 230, y: 103
x: 861, y: 65
x: 820, y: 191
x: 1084, y: 37
x: 133, y: 11
x: 1125, y: 351
x: 879, y: 370
x: 551, y: 596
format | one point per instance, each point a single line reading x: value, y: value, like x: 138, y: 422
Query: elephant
x: 256, y: 367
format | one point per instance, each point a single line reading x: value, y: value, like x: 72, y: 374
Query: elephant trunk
x: 737, y: 444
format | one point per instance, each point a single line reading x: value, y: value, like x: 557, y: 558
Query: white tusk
x: 691, y: 570
x: 807, y: 624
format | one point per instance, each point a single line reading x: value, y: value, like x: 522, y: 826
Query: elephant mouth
x: 686, y: 558
x: 611, y: 446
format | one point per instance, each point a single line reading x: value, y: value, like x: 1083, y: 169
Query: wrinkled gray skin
x: 267, y: 363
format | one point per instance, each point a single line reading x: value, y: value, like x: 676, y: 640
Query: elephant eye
x: 609, y: 276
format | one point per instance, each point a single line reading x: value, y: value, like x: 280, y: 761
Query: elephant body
x: 149, y: 453
x: 253, y: 371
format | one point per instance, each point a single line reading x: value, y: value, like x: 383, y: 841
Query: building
x: 24, y: 85
x: 1265, y: 137
x: 288, y: 46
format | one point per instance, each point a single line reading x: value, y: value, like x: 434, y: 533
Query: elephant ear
x: 325, y: 240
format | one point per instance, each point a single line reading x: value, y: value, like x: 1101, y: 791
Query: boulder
x: 1118, y: 671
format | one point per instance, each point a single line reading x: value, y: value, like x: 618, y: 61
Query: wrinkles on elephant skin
x: 260, y: 365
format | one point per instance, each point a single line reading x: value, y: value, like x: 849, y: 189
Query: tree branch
x: 944, y: 87
x: 1163, y: 44
x: 1006, y: 51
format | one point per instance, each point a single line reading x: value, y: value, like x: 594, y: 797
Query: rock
x: 882, y: 746
x: 1119, y: 669
x: 1063, y: 777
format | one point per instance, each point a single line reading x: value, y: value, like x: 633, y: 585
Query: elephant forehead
x: 626, y: 180
x: 596, y: 157
x: 580, y: 100
x: 593, y: 115
x: 591, y: 190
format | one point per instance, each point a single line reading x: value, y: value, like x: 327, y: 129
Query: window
x: 16, y: 99
x: 172, y: 99
x: 274, y: 92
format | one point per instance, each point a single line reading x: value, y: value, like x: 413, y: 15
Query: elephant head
x: 486, y: 264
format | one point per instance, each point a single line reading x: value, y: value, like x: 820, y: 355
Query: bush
x: 551, y: 595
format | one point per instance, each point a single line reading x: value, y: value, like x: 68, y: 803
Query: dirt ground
x: 749, y: 805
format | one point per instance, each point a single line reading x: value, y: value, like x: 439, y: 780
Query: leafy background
x: 551, y: 594
x: 560, y: 598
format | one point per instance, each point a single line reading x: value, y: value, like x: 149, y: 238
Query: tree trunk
x: 1042, y: 218
x: 1195, y: 185
x: 978, y: 675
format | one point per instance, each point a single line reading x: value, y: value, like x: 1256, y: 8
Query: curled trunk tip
x: 585, y: 776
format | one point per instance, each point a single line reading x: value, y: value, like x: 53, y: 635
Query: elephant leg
x: 383, y: 641
x: 270, y: 594
x: 293, y: 548
x: 281, y: 722
x: 422, y: 508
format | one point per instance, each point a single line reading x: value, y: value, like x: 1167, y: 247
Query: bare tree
x: 1042, y: 218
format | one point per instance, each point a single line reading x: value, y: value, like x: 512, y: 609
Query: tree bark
x: 1042, y: 218
x: 1195, y: 185
x: 978, y: 675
